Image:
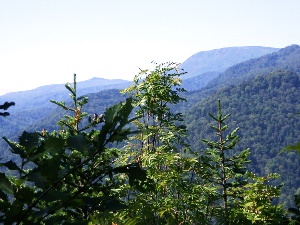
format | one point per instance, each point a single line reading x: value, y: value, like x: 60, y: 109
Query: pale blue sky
x: 45, y: 42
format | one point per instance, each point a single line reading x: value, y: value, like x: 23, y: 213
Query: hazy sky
x: 46, y: 41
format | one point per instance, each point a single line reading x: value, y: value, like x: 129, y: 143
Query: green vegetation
x: 75, y: 175
x: 285, y: 59
x: 160, y: 149
x: 158, y: 154
x: 64, y: 176
x: 240, y: 197
x: 265, y: 109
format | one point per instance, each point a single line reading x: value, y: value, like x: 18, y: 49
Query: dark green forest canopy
x: 265, y: 109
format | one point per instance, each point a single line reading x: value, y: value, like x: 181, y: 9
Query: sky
x: 45, y: 42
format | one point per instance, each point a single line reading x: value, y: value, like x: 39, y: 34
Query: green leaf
x: 113, y: 205
x: 111, y: 113
x: 15, y: 148
x: 212, y: 116
x: 11, y: 165
x: 61, y: 104
x: 292, y: 148
x: 3, y: 197
x: 70, y: 88
x: 29, y: 140
x: 54, y: 145
x: 53, y: 196
x: 5, y: 184
x: 25, y: 194
x: 79, y: 143
x: 40, y: 180
x: 15, y: 211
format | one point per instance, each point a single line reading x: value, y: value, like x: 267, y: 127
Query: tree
x: 161, y: 149
x: 239, y: 197
x: 65, y: 176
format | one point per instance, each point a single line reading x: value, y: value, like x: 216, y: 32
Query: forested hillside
x: 39, y: 97
x: 198, y: 82
x: 98, y: 102
x: 287, y: 58
x: 262, y: 95
x: 32, y: 106
x: 265, y: 109
x: 74, y: 176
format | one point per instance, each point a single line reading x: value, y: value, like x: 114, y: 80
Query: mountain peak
x: 218, y: 60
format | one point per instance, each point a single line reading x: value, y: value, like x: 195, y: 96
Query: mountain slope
x: 219, y: 60
x: 34, y: 105
x: 39, y: 97
x: 97, y: 103
x: 287, y: 58
x: 198, y: 82
x: 265, y: 109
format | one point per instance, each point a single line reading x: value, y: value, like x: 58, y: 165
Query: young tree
x: 239, y: 197
x: 160, y: 148
x: 65, y: 176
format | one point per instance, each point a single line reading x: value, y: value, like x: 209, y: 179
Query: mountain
x: 219, y: 60
x: 39, y: 97
x: 198, y: 82
x: 97, y: 103
x: 34, y: 105
x: 262, y: 95
x: 287, y: 58
x: 265, y: 109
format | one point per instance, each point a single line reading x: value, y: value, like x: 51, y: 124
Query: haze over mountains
x: 218, y: 60
x: 43, y: 94
x: 259, y: 86
x: 202, y: 68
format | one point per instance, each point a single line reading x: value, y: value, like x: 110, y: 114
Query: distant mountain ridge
x: 34, y: 105
x: 287, y: 58
x: 41, y: 96
x: 218, y: 60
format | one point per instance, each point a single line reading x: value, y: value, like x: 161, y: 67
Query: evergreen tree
x: 65, y: 176
x: 239, y: 197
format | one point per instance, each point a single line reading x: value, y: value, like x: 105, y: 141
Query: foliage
x: 257, y: 203
x: 295, y: 211
x: 74, y: 175
x: 161, y: 149
x: 64, y: 176
x: 240, y: 197
x: 265, y: 109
